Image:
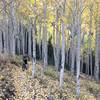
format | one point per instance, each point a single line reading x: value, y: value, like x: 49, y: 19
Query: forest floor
x: 16, y: 84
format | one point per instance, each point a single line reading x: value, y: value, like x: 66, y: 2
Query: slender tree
x: 22, y: 38
x: 34, y: 49
x: 63, y: 48
x: 1, y: 41
x: 44, y: 39
x: 29, y: 39
x: 72, y: 37
x: 82, y: 53
x: 97, y: 54
x: 40, y: 39
x: 34, y: 43
x: 78, y: 48
x: 5, y: 34
x: 13, y: 26
x: 63, y: 57
x: 57, y: 49
x: 90, y: 34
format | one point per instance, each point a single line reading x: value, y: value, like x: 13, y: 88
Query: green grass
x: 51, y: 73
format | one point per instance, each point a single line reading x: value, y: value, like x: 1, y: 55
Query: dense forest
x: 63, y: 34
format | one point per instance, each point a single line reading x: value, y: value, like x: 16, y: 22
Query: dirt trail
x: 28, y: 88
x: 19, y: 85
x: 16, y: 84
x: 22, y: 84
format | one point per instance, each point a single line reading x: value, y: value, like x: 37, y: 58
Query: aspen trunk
x: 78, y: 66
x: 72, y: 38
x: 63, y: 58
x: 57, y: 50
x: 73, y: 55
x: 13, y: 25
x: 5, y: 35
x: 90, y: 33
x: 97, y: 55
x: 23, y: 39
x: 45, y: 58
x: 40, y: 40
x: 34, y: 44
x: 78, y: 51
x: 29, y: 40
x: 97, y: 61
x: 66, y: 48
x: 34, y: 50
x: 82, y: 56
x: 1, y: 41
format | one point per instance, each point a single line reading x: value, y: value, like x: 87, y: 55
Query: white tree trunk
x: 9, y: 36
x: 72, y: 55
x: 72, y: 37
x: 78, y: 66
x: 78, y: 51
x: 66, y: 50
x: 13, y: 27
x: 5, y: 26
x: 34, y: 49
x: 87, y: 64
x: 82, y: 56
x: 63, y: 57
x: 57, y: 49
x: 45, y: 57
x: 40, y: 40
x: 1, y: 41
x: 29, y: 39
x: 90, y: 33
x: 34, y: 44
x: 22, y: 37
x: 97, y: 55
x: 18, y: 46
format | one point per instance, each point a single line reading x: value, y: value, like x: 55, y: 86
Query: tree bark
x: 78, y: 50
x: 5, y: 34
x: 72, y: 55
x: 44, y: 45
x: 97, y: 54
x: 1, y: 41
x: 34, y: 49
x: 57, y: 49
x: 90, y: 36
x: 72, y: 37
x: 82, y: 54
x: 23, y: 38
x: 34, y: 43
x: 97, y: 61
x: 13, y: 25
x: 40, y: 40
x: 63, y: 57
x: 29, y: 40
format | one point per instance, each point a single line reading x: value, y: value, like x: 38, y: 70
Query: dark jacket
x: 25, y: 59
